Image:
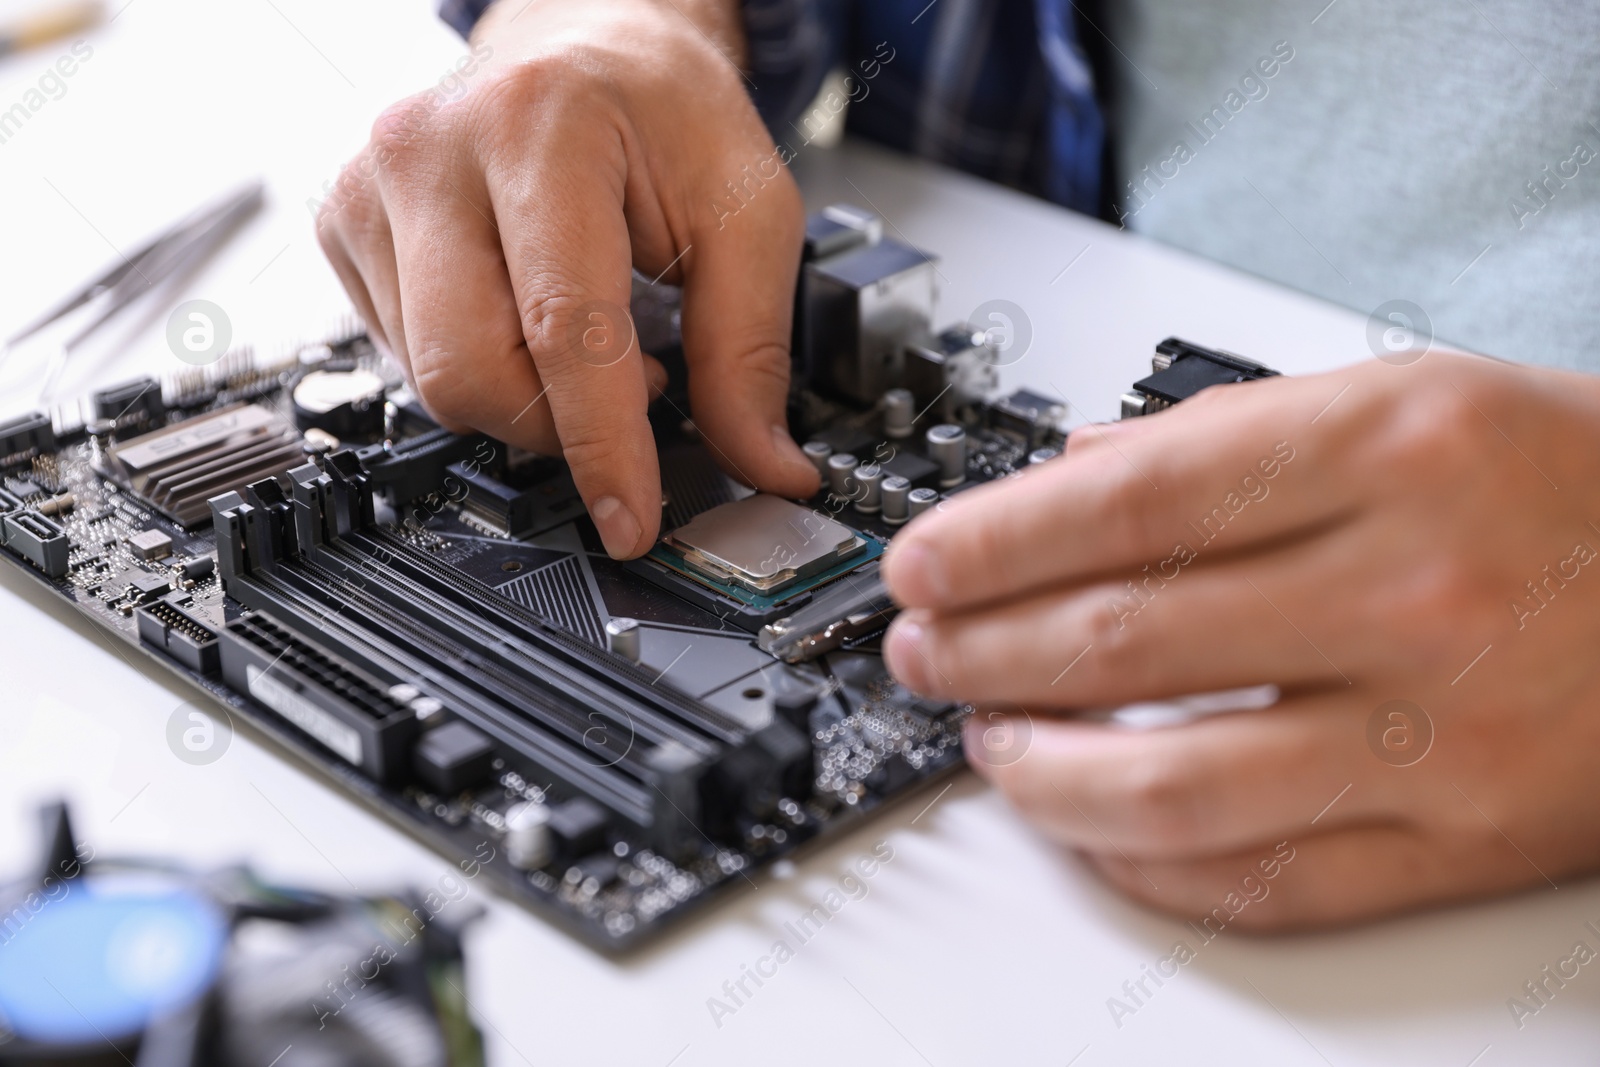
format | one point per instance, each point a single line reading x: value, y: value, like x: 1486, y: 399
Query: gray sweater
x: 1442, y: 152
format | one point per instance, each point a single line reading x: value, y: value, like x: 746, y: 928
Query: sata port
x: 37, y: 540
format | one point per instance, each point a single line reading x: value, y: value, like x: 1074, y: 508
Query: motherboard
x: 429, y: 621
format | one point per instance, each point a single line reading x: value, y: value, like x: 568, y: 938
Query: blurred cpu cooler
x: 141, y: 963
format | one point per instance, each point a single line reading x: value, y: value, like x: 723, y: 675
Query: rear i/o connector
x: 1180, y: 370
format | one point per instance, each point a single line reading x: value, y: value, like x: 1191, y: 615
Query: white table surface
x: 978, y: 943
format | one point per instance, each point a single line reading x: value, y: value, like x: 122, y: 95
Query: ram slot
x: 570, y: 658
x: 742, y: 781
x: 635, y: 804
x: 512, y: 649
x: 481, y: 669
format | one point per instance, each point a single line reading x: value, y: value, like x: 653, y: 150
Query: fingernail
x: 903, y: 652
x: 922, y: 569
x: 788, y: 451
x: 618, y: 528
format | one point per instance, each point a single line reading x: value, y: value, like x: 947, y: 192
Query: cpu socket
x: 763, y: 550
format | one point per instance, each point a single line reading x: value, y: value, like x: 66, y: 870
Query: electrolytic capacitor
x: 841, y: 475
x: 622, y: 637
x: 921, y: 500
x: 529, y: 843
x: 869, y: 488
x: 899, y: 411
x: 818, y: 452
x: 947, y: 446
x: 894, y: 495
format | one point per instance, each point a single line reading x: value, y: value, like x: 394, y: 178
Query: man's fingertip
x: 798, y: 470
x: 620, y: 530
x: 915, y: 574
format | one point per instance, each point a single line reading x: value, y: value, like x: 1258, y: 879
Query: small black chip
x: 454, y: 757
x: 148, y: 587
x: 579, y: 826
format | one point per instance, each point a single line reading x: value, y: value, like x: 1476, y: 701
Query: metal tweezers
x: 185, y: 242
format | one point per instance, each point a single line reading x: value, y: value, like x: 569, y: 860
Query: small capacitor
x: 947, y: 446
x: 921, y: 500
x: 1041, y: 455
x: 869, y: 488
x: 841, y: 475
x: 529, y: 843
x: 818, y: 452
x: 622, y: 637
x: 894, y: 495
x: 899, y: 411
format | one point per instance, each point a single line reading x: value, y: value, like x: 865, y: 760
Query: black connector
x: 507, y: 509
x: 1181, y: 370
x: 1027, y: 416
x: 171, y: 626
x: 25, y: 435
x: 135, y: 403
x: 411, y: 469
x: 350, y: 712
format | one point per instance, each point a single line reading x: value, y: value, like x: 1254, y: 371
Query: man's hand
x: 492, y: 251
x: 1426, y: 534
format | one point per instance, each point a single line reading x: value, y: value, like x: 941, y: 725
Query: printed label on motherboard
x: 304, y: 714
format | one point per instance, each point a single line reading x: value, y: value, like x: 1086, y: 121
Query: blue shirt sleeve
x: 462, y: 15
x: 998, y: 88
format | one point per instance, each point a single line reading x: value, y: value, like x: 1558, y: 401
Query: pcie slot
x: 568, y: 657
x: 633, y: 803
